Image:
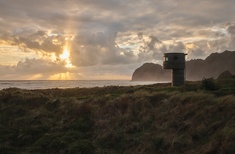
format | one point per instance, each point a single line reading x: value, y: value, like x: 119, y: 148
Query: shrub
x: 209, y: 84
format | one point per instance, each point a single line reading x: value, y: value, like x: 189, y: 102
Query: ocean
x: 63, y: 84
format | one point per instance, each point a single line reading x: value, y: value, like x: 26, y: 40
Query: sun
x: 65, y: 56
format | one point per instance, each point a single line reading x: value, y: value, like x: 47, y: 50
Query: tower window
x: 166, y: 58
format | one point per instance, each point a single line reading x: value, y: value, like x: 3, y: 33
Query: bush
x: 209, y: 84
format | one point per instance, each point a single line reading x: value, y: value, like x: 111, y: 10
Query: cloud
x: 231, y: 31
x: 31, y: 67
x: 114, y: 15
x: 98, y: 48
x: 39, y: 41
x: 103, y: 33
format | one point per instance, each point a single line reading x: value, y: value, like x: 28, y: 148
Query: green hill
x: 195, y: 118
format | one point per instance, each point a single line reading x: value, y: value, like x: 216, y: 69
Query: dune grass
x: 137, y: 119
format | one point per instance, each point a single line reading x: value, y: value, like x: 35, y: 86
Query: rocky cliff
x: 151, y: 72
x: 196, y: 69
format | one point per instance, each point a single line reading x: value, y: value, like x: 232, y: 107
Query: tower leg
x: 177, y: 77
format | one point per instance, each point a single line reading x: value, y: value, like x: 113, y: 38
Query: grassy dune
x: 196, y: 118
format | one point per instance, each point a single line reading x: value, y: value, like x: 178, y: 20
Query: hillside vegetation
x: 196, y: 118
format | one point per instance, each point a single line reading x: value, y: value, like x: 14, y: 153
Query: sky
x: 107, y: 39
